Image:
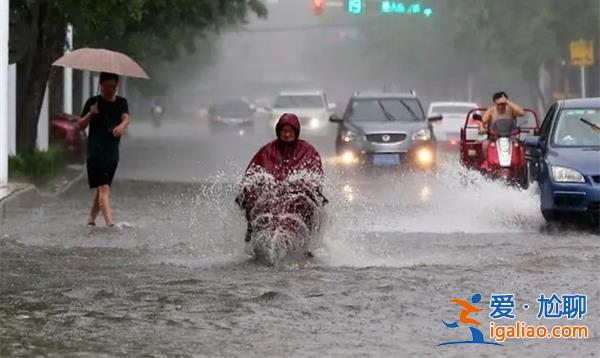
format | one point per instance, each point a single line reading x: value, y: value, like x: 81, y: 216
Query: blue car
x: 565, y: 160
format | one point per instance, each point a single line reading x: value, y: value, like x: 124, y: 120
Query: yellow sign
x: 582, y: 53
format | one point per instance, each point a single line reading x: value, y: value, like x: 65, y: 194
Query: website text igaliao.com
x: 521, y: 330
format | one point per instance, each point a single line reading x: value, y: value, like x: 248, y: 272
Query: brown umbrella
x: 100, y: 60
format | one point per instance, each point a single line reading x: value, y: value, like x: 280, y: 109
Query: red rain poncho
x: 281, y: 159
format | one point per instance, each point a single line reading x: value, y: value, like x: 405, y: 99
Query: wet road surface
x: 174, y: 279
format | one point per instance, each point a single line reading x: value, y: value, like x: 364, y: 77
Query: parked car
x: 64, y: 131
x: 566, y: 160
x: 385, y: 129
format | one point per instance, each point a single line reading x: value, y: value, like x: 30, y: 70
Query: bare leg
x: 484, y: 147
x: 95, y: 209
x: 104, y: 200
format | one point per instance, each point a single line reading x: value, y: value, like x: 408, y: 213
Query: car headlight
x: 566, y: 175
x: 425, y: 157
x: 348, y: 158
x: 314, y: 123
x: 423, y: 134
x: 348, y: 136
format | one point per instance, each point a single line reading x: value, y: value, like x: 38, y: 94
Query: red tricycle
x: 505, y: 153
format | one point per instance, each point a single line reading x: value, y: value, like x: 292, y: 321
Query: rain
x: 370, y: 232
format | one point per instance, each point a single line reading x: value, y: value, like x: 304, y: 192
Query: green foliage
x: 524, y: 33
x: 37, y: 167
x: 153, y: 28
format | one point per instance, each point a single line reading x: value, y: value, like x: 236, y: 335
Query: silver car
x: 385, y: 129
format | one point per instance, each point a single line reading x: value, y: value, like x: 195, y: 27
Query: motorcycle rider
x: 282, y: 157
x: 157, y: 109
x: 503, y: 108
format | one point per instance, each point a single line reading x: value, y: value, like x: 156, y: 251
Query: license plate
x: 386, y: 160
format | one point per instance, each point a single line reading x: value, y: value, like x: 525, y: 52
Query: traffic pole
x: 582, y: 72
x: 4, y: 9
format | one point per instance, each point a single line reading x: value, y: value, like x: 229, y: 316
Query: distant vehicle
x: 237, y: 113
x: 65, y: 132
x: 566, y: 160
x: 157, y: 112
x: 505, y: 156
x: 311, y: 107
x: 447, y: 130
x: 385, y: 129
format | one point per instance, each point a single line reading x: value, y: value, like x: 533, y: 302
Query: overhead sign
x: 582, y: 53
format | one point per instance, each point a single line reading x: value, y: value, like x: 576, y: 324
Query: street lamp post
x: 4, y: 9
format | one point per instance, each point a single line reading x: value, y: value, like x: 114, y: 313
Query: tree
x: 524, y: 33
x: 145, y: 29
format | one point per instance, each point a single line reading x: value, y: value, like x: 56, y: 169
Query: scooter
x: 284, y: 219
x: 157, y: 115
x: 505, y: 153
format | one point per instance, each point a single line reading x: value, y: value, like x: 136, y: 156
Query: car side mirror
x: 436, y: 117
x: 532, y: 142
x: 334, y: 118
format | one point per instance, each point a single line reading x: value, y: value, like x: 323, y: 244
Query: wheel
x: 525, y: 177
x: 550, y: 216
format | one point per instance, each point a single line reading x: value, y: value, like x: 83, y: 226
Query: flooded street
x: 175, y: 280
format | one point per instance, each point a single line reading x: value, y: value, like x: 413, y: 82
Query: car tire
x: 526, y: 177
x: 551, y: 216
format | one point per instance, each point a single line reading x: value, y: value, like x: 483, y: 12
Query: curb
x: 26, y: 195
x: 66, y: 187
x: 30, y: 195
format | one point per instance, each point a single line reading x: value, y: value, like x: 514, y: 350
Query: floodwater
x: 175, y: 279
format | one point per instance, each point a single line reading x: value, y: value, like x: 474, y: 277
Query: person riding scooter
x: 157, y: 110
x: 503, y: 108
x: 282, y: 158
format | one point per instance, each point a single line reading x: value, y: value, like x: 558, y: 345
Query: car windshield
x: 387, y: 109
x: 299, y: 101
x: 233, y: 109
x: 578, y: 128
x: 463, y: 110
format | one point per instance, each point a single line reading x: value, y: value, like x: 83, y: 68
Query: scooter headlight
x: 566, y: 175
x: 422, y: 134
x: 348, y: 136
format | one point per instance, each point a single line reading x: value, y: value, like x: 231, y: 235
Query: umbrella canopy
x: 100, y: 60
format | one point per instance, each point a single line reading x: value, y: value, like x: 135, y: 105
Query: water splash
x: 284, y: 216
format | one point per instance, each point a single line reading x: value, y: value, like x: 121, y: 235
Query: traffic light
x: 318, y: 6
x: 355, y: 7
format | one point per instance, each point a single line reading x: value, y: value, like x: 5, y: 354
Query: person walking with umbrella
x: 107, y: 116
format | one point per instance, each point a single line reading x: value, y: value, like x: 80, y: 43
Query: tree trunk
x: 48, y: 31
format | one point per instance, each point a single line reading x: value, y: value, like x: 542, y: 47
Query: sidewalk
x: 28, y: 193
x: 16, y: 190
